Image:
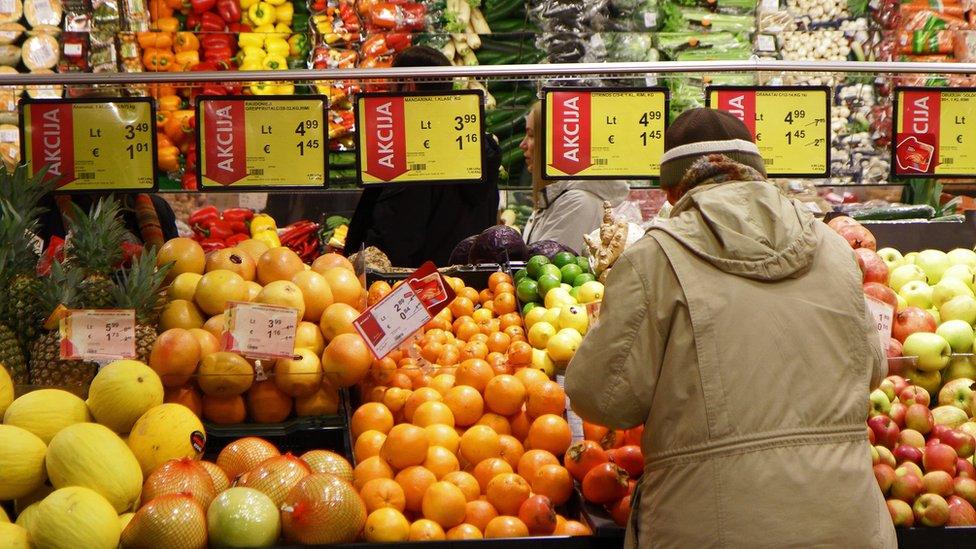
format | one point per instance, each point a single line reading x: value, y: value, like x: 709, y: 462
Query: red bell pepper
x: 130, y: 251
x: 204, y: 216
x: 398, y: 41
x: 239, y: 27
x: 218, y: 41
x: 229, y: 10
x: 219, y: 229
x: 238, y: 214
x: 202, y: 6
x: 211, y: 22
x: 212, y: 244
x: 53, y: 252
x: 235, y: 239
x: 189, y: 181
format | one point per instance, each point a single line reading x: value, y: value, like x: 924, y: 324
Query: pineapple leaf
x: 140, y: 287
x: 95, y: 245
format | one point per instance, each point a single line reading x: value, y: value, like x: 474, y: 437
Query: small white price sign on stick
x: 98, y: 334
x: 258, y: 330
x: 883, y: 316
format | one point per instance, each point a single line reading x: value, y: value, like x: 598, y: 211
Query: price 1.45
x: 310, y: 144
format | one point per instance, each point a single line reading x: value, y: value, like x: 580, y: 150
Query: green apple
x: 961, y: 272
x: 902, y: 304
x: 936, y: 315
x: 561, y: 347
x: 903, y: 275
x: 575, y: 317
x: 948, y: 289
x: 880, y: 405
x: 961, y: 307
x: 930, y: 381
x: 910, y: 258
x: 891, y: 257
x: 958, y: 333
x: 552, y: 316
x: 917, y: 294
x: 591, y: 292
x: 932, y: 351
x: 559, y: 297
x: 535, y: 315
x: 934, y: 263
x: 539, y: 334
x: 962, y: 256
x: 958, y: 393
x: 960, y: 367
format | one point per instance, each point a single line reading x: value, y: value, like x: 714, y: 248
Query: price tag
x: 935, y: 132
x: 98, y: 334
x: 257, y: 330
x: 790, y: 125
x: 575, y: 422
x: 883, y: 315
x: 404, y: 311
x: 615, y: 134
x: 260, y: 143
x: 420, y: 138
x: 92, y: 144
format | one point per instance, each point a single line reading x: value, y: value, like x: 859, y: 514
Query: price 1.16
x: 467, y: 138
x: 306, y: 125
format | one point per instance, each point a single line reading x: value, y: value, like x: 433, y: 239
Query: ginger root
x: 613, y: 239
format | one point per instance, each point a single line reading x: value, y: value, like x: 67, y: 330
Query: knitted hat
x: 701, y: 132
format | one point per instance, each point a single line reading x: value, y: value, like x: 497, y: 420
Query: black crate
x: 475, y: 276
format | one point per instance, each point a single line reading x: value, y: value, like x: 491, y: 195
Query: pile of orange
x: 458, y: 437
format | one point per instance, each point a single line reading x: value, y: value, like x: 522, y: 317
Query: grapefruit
x: 224, y: 410
x: 22, y: 468
x: 217, y: 475
x: 175, y: 355
x: 180, y: 476
x: 171, y: 520
x: 74, y: 517
x: 45, y: 412
x: 346, y: 360
x: 266, y: 403
x: 317, y: 293
x: 165, y: 432
x: 253, y: 248
x: 328, y: 261
x: 323, y: 509
x: 337, y: 319
x: 225, y: 374
x: 253, y: 290
x: 232, y: 259
x: 183, y: 286
x: 276, y: 476
x: 283, y: 293
x: 180, y: 313
x: 218, y: 287
x: 344, y: 285
x: 324, y: 461
x: 186, y: 255
x: 243, y: 517
x: 324, y: 402
x: 309, y: 335
x: 187, y: 395
x: 279, y: 264
x: 300, y: 377
x: 207, y: 341
x: 244, y: 454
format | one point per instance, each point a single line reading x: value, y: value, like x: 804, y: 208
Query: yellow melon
x: 45, y: 412
x: 6, y: 390
x: 21, y: 462
x: 14, y: 537
x: 165, y: 432
x: 123, y: 391
x: 75, y: 517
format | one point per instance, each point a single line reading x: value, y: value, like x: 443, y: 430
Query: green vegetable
x: 923, y: 211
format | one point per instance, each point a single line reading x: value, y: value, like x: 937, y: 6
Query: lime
x: 563, y: 258
x: 527, y: 290
x: 534, y: 266
x: 528, y: 307
x: 583, y: 278
x: 584, y: 264
x: 569, y: 272
x: 519, y: 275
x: 548, y: 281
x: 549, y: 269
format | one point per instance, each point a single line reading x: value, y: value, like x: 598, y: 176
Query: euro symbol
x: 959, y: 138
x: 610, y: 139
x: 95, y: 152
x: 267, y: 148
x: 426, y: 143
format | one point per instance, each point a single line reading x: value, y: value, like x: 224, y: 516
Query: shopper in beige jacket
x: 736, y: 332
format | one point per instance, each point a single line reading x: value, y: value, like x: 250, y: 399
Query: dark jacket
x: 52, y: 224
x: 414, y: 223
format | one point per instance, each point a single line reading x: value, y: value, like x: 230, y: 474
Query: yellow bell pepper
x: 246, y: 4
x: 256, y: 53
x: 285, y: 89
x: 261, y: 13
x: 267, y: 28
x: 262, y: 88
x: 268, y: 237
x: 263, y: 228
x: 275, y: 45
x: 282, y: 30
x: 250, y: 39
x: 284, y: 12
x: 251, y: 65
x: 275, y: 62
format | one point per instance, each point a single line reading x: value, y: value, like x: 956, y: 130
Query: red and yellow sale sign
x: 934, y: 132
x: 262, y: 142
x: 604, y: 133
x: 420, y: 138
x: 92, y: 145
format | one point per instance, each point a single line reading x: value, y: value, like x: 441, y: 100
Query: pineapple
x: 140, y: 287
x: 46, y: 366
x: 95, y: 248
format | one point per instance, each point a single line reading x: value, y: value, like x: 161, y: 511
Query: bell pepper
x: 54, y: 251
x: 268, y: 237
x: 168, y: 23
x: 283, y: 30
x: 397, y: 41
x: 285, y: 89
x: 211, y: 22
x: 212, y: 244
x: 246, y: 4
x: 238, y: 214
x: 275, y: 45
x: 262, y: 222
x: 229, y: 10
x: 251, y: 64
x: 168, y: 103
x: 217, y: 40
x: 250, y: 39
x: 178, y: 128
x: 218, y: 47
x: 157, y: 60
x: 192, y: 22
x: 219, y: 229
x: 235, y: 239
x: 204, y: 216
x: 275, y: 62
x: 189, y: 181
x: 238, y: 28
x: 284, y: 11
x: 158, y: 10
x: 177, y: 5
x: 186, y: 41
x: 168, y: 158
x: 186, y: 60
x: 252, y: 53
x: 202, y: 6
x: 161, y: 40
x: 298, y: 46
x: 261, y: 13
x: 262, y: 88
x: 300, y: 20
x: 264, y: 29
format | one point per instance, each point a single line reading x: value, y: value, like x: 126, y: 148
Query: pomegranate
x: 180, y: 476
x: 276, y: 476
x: 322, y: 509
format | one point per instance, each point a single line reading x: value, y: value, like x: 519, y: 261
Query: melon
x: 3, y: 516
x: 34, y: 497
x: 123, y: 391
x: 91, y: 455
x: 173, y: 521
x: 6, y: 390
x: 45, y: 412
x: 26, y: 517
x: 21, y: 462
x: 243, y: 517
x: 14, y: 537
x: 165, y: 432
x: 75, y: 517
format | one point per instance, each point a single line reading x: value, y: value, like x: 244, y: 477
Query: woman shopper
x: 564, y: 210
x: 735, y: 331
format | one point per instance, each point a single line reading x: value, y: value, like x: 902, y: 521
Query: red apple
x: 897, y: 414
x: 896, y: 363
x: 913, y: 394
x: 873, y: 268
x: 965, y: 488
x: 911, y: 320
x: 963, y: 443
x: 938, y: 482
x: 939, y: 431
x: 911, y: 437
x: 885, y: 475
x: 909, y: 468
x: 899, y: 382
x: 885, y: 431
x: 870, y: 436
x: 901, y: 513
x: 919, y: 418
x: 961, y: 512
x: 906, y: 487
x: 885, y: 456
x: 939, y: 457
x: 931, y: 510
x: 904, y: 452
x: 858, y: 237
x: 965, y: 469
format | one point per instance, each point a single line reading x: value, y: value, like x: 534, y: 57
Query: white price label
x: 98, y: 334
x: 883, y: 316
x: 259, y: 330
x: 392, y: 320
x: 575, y: 422
x: 765, y: 43
x: 769, y: 5
x: 650, y: 19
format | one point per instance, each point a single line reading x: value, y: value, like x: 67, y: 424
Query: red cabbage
x: 497, y: 244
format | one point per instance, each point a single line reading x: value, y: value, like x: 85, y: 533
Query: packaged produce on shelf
x: 335, y: 23
x: 685, y: 46
x: 622, y: 46
x: 855, y: 153
x: 623, y: 16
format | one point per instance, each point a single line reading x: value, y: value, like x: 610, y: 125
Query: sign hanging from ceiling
x: 935, y: 132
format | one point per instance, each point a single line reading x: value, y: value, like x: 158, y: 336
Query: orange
x: 545, y: 398
x: 504, y: 288
x: 509, y: 319
x: 466, y: 482
x: 345, y: 286
x: 519, y: 354
x: 474, y: 349
x: 498, y: 342
x: 478, y: 443
x: 405, y: 445
x: 441, y: 461
x: 469, y: 293
x: 496, y: 278
x: 382, y: 371
x: 450, y: 355
x: 316, y: 292
x: 368, y: 445
x: 415, y: 481
x: 554, y: 482
x: 530, y: 377
x: 444, y: 436
x: 572, y: 528
x: 325, y: 401
x: 520, y: 423
x: 418, y: 397
x: 464, y: 531
x: 174, y: 356
x: 456, y: 283
x: 187, y: 395
x: 382, y: 492
x: 533, y: 460
x: 507, y: 491
x: 426, y: 530
x: 278, y: 264
x: 488, y: 469
x: 386, y: 525
x: 328, y: 261
x: 224, y: 410
x: 266, y: 403
x: 443, y: 383
x: 474, y: 371
x: 498, y: 423
x: 549, y: 432
x: 371, y: 416
x: 186, y: 255
x: 517, y: 333
x: 506, y: 527
x: 232, y: 259
x: 489, y: 306
x: 461, y: 306
x: 466, y: 330
x: 346, y: 360
x: 479, y: 513
x: 377, y: 291
x: 485, y: 296
x: 395, y: 398
x: 512, y: 450
x: 465, y: 403
x: 504, y: 395
x: 444, y: 503
x: 433, y: 412
x: 337, y: 319
x: 369, y: 469
x: 504, y: 303
x: 482, y: 338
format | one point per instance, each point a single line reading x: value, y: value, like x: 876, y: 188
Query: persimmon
x: 583, y: 456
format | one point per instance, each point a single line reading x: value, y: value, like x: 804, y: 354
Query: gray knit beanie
x: 700, y: 132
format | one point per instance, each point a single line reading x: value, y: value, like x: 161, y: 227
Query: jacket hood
x: 745, y: 228
x: 613, y: 191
